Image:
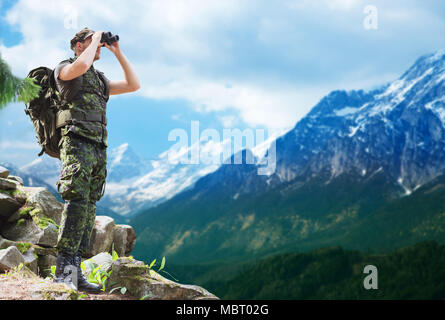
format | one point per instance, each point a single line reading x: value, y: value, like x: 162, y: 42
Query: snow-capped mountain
x: 399, y: 128
x: 124, y: 164
x: 45, y: 168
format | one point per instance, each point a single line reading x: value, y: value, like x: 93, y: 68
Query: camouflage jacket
x: 83, y: 111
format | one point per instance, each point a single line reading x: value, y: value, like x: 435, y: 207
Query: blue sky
x: 245, y: 64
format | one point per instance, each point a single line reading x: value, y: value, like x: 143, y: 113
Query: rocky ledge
x: 29, y: 224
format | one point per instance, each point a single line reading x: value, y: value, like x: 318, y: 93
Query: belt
x: 66, y: 116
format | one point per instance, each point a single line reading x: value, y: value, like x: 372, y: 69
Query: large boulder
x: 7, y: 184
x: 4, y: 173
x: 142, y: 282
x: 16, y: 179
x: 41, y: 198
x: 26, y: 249
x: 8, y: 205
x: 102, y: 260
x: 10, y: 258
x: 23, y: 230
x: 101, y: 236
x: 124, y: 239
x: 26, y: 230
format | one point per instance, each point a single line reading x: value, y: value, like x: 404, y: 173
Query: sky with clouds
x: 225, y: 63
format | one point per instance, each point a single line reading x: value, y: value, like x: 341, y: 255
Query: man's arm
x: 83, y: 62
x: 131, y: 82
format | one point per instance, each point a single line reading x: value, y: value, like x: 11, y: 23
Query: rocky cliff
x: 29, y: 223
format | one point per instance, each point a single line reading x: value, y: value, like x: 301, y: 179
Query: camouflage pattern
x: 81, y: 36
x: 92, y: 96
x: 83, y: 155
x: 81, y: 185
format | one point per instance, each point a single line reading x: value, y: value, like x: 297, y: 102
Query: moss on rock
x: 59, y: 292
x: 20, y: 222
x: 23, y: 246
x: 41, y: 219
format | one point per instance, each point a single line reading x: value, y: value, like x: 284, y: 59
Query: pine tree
x: 14, y: 89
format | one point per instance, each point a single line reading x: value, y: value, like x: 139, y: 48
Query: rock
x: 23, y: 247
x: 23, y: 230
x: 26, y: 249
x: 7, y: 184
x: 4, y: 173
x: 8, y: 205
x: 10, y: 258
x: 19, y: 214
x: 142, y: 282
x: 5, y: 243
x: 42, y: 251
x: 20, y: 196
x: 25, y: 285
x: 44, y: 263
x: 49, y: 237
x: 57, y: 291
x: 17, y: 179
x: 41, y: 198
x: 124, y: 239
x: 26, y: 230
x: 30, y: 258
x: 101, y: 236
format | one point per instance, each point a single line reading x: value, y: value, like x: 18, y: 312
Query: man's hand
x: 114, y: 47
x: 96, y: 37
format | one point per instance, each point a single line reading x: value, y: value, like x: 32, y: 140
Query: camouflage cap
x: 81, y: 36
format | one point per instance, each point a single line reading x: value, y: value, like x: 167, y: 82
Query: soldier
x: 84, y: 92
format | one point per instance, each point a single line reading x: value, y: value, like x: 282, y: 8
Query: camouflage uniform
x: 83, y: 154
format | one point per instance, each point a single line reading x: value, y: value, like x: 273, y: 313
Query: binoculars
x: 109, y: 38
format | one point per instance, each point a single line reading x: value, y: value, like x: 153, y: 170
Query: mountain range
x: 134, y: 183
x: 342, y: 174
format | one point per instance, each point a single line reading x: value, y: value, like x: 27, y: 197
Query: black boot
x: 65, y: 271
x: 82, y: 282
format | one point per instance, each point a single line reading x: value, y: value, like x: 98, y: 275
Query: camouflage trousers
x: 81, y: 184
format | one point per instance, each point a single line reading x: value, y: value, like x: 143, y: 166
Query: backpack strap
x: 105, y: 82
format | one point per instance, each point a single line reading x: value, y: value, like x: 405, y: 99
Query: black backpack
x: 43, y: 111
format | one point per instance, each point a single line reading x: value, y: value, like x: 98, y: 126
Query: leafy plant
x: 123, y: 290
x: 96, y: 275
x: 52, y: 271
x: 13, y: 89
x: 161, y: 268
